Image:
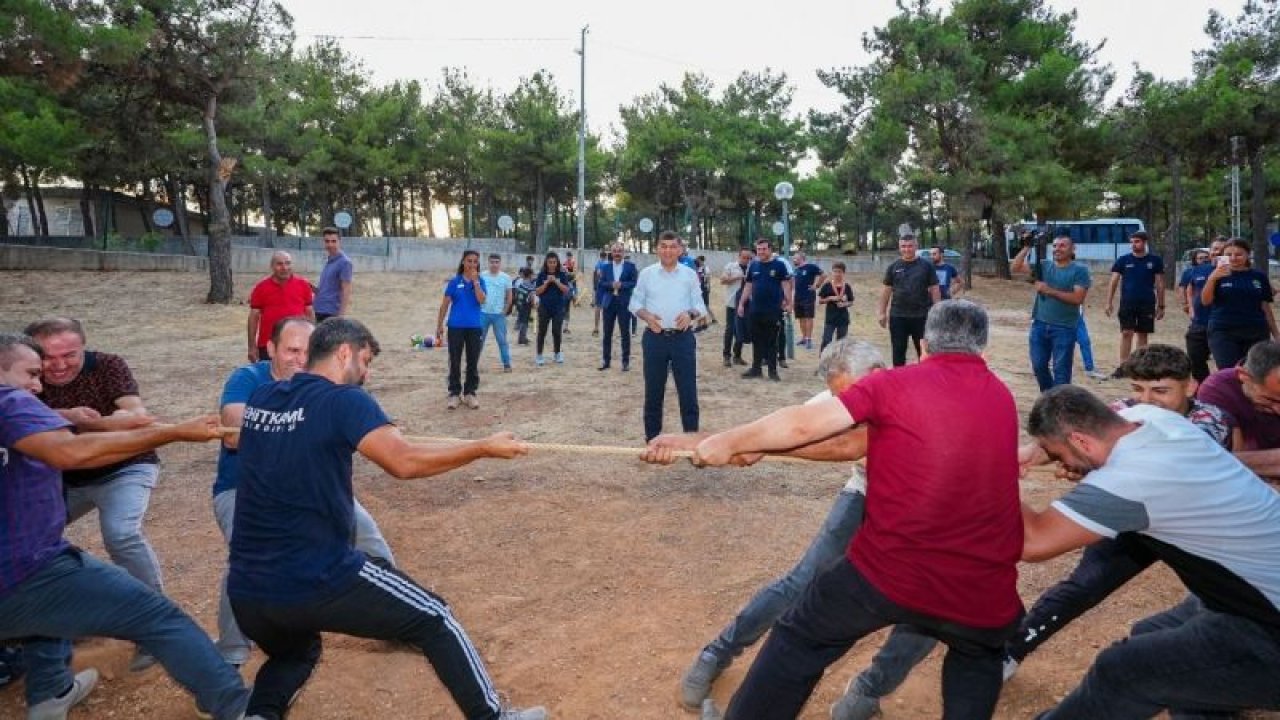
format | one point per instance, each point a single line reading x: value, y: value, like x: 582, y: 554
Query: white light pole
x: 784, y: 191
x: 582, y: 143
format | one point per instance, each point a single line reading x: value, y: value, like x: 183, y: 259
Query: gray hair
x: 1263, y: 359
x: 10, y: 342
x: 847, y: 356
x: 956, y: 326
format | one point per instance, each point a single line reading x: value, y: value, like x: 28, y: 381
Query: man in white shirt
x: 493, y: 313
x: 731, y: 279
x: 668, y: 299
x: 1171, y: 493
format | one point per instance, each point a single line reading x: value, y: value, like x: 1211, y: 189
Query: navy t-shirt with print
x: 1238, y: 299
x: 552, y: 299
x: 295, y: 512
x: 766, y: 280
x: 806, y: 274
x: 1138, y: 278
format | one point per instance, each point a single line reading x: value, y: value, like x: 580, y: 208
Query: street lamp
x: 784, y: 191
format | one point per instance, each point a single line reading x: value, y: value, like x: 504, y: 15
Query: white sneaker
x: 1098, y: 375
x: 539, y: 361
x: 471, y: 402
x: 56, y: 708
x: 534, y: 713
x: 560, y: 358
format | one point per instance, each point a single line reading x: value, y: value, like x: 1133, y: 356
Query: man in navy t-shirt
x: 288, y: 350
x: 764, y: 296
x: 294, y: 570
x: 808, y: 277
x: 1140, y: 277
x: 949, y: 281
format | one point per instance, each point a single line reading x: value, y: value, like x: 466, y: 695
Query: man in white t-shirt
x: 493, y: 313
x: 1159, y: 484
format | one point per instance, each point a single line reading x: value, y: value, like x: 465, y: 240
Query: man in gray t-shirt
x: 1061, y: 286
x: 1216, y: 525
x: 911, y: 283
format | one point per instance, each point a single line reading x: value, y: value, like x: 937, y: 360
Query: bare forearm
x: 425, y: 460
x: 91, y: 450
x: 1262, y: 462
x: 850, y: 445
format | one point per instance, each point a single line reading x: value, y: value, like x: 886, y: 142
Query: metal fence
x: 198, y: 245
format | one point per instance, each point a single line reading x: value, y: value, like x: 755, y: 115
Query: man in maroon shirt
x: 278, y: 295
x: 96, y: 392
x: 1250, y: 392
x: 940, y: 543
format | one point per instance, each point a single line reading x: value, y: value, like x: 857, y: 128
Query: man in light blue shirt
x: 668, y: 299
x: 497, y: 303
x: 333, y: 291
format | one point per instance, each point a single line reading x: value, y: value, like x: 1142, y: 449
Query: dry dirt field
x: 588, y: 582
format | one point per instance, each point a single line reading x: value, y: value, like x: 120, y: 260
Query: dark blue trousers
x: 676, y: 353
x: 616, y: 312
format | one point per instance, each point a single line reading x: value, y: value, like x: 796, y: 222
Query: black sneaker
x: 782, y: 363
x: 739, y: 361
x: 774, y: 377
x: 728, y: 363
x: 753, y: 373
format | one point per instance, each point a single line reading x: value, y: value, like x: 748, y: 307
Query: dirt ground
x: 589, y: 583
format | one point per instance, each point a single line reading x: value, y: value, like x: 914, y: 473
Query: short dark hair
x: 668, y: 235
x: 284, y: 322
x: 1262, y: 360
x: 336, y: 332
x: 838, y: 265
x: 330, y: 231
x: 765, y: 241
x: 1065, y: 409
x: 55, y: 326
x: 1063, y: 232
x: 10, y: 342
x: 495, y: 256
x: 1141, y: 235
x: 1157, y: 362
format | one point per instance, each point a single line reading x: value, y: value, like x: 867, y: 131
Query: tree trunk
x: 266, y: 209
x: 146, y: 206
x: 219, y: 220
x: 1258, y: 206
x: 427, y: 212
x: 1170, y: 248
x: 1000, y: 248
x: 29, y: 193
x: 39, y: 196
x: 86, y: 213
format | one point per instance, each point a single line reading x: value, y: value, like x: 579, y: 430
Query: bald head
x: 281, y: 265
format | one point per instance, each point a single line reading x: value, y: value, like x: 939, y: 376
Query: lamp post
x: 784, y: 191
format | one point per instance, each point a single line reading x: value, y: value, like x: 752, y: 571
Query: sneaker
x: 695, y: 686
x: 753, y: 373
x: 471, y: 402
x: 142, y: 660
x: 506, y: 368
x: 710, y: 711
x: 539, y: 361
x: 1118, y: 373
x: 737, y: 360
x: 855, y: 706
x: 626, y: 366
x: 56, y: 708
x: 603, y: 367
x: 1010, y: 668
x: 728, y: 363
x: 1097, y: 375
x: 533, y: 713
x: 782, y: 363
x: 774, y: 377
x: 453, y: 402
x: 560, y: 358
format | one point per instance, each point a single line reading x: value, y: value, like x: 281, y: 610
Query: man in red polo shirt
x: 278, y: 295
x: 940, y: 542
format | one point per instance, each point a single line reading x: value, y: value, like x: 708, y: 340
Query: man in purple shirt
x: 1250, y: 392
x: 333, y: 292
x: 51, y: 591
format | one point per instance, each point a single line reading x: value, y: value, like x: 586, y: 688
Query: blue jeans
x: 498, y: 322
x: 1195, y: 662
x: 762, y: 611
x: 122, y: 503
x: 678, y: 353
x: 1086, y: 345
x: 1052, y: 350
x: 76, y: 595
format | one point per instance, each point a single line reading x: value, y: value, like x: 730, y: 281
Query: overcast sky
x: 632, y: 48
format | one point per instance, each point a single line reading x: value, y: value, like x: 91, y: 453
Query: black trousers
x: 833, y: 332
x: 553, y: 321
x: 764, y: 345
x: 677, y: 354
x: 1230, y: 345
x: 382, y: 603
x: 468, y: 342
x: 839, y: 608
x: 1198, y: 351
x: 732, y: 335
x: 900, y: 330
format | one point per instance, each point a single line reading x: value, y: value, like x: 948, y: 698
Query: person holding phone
x: 1238, y: 299
x: 552, y: 289
x: 837, y: 296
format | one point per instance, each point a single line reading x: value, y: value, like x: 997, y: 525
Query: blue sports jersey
x: 766, y: 280
x: 805, y: 276
x: 243, y: 381
x: 1138, y: 278
x: 295, y: 512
